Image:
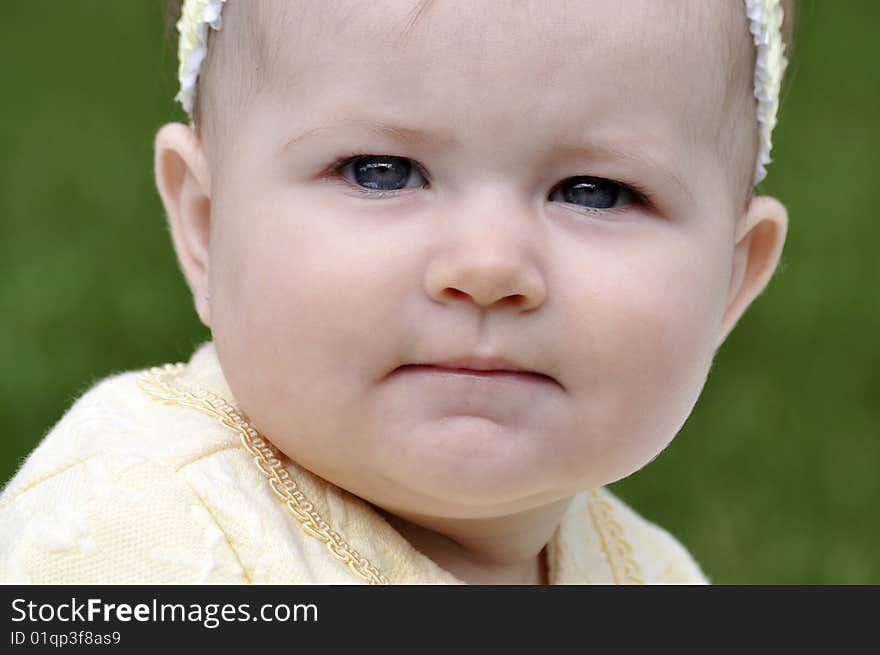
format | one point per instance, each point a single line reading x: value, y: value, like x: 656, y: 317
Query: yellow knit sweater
x: 130, y: 488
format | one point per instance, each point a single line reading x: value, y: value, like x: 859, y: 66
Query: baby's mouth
x: 487, y: 368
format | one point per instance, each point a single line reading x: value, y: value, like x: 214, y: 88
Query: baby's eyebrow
x: 593, y: 151
x: 397, y: 132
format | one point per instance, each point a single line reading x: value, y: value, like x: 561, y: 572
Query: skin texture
x: 319, y: 291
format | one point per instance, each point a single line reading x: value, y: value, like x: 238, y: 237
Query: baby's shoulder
x: 116, y: 420
x: 660, y: 558
x: 102, y: 497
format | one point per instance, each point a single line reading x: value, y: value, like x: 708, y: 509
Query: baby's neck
x: 507, y: 550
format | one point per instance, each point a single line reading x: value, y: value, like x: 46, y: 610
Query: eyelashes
x: 370, y: 174
x: 373, y: 171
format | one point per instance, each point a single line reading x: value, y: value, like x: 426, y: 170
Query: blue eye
x: 379, y: 173
x: 594, y: 193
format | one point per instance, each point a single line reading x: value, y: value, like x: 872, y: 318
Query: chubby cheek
x: 646, y: 324
x: 305, y: 318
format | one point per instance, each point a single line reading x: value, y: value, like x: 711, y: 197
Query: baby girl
x: 463, y: 263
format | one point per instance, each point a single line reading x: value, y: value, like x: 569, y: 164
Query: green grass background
x: 775, y: 478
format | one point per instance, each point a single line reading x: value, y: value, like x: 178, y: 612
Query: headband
x: 765, y: 25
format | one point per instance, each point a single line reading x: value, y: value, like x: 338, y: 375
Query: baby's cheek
x: 678, y: 340
x: 312, y: 315
x: 646, y: 349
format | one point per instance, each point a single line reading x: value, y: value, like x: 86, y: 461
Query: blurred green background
x: 775, y: 478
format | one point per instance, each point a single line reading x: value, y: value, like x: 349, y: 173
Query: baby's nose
x: 490, y: 252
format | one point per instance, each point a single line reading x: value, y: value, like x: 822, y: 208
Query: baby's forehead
x: 676, y: 70
x: 660, y: 27
x: 645, y: 47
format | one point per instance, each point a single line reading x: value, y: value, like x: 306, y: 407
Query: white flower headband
x: 765, y: 24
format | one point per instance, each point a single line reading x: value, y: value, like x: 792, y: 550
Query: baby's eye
x: 379, y: 172
x: 594, y: 193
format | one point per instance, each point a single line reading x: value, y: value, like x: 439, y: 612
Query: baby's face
x: 486, y: 208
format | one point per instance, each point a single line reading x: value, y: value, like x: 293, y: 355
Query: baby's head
x: 377, y: 191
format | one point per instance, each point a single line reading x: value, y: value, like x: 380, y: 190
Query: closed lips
x: 500, y: 373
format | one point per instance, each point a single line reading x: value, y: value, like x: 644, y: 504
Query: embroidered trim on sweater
x: 617, y: 549
x: 158, y: 382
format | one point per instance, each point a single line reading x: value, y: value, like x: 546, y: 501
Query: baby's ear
x: 183, y: 178
x: 760, y: 236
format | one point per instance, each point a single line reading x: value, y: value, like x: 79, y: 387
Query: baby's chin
x: 463, y: 467
x: 458, y: 497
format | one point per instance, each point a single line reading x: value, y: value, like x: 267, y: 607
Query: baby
x: 463, y: 263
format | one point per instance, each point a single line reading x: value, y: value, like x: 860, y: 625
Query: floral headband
x: 765, y: 24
